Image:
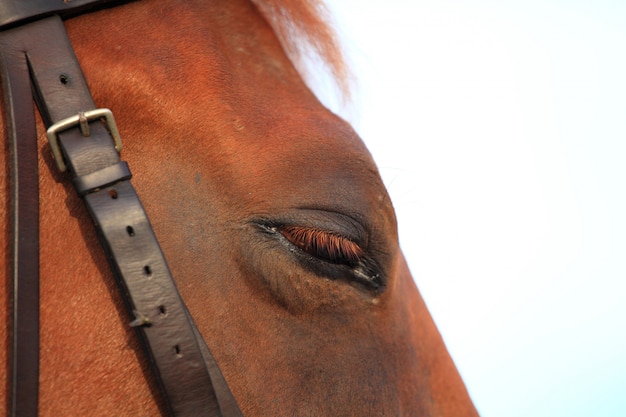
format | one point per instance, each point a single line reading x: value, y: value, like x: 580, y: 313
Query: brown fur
x: 220, y: 131
x: 302, y: 27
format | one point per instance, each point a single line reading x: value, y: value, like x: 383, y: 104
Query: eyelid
x: 324, y: 244
x: 352, y: 261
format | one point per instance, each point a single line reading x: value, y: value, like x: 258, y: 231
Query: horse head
x: 273, y: 218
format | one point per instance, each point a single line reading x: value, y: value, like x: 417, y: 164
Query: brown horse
x: 263, y: 200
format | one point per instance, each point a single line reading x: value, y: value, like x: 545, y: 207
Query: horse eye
x: 325, y: 245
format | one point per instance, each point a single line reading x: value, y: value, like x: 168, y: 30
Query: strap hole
x: 64, y: 79
x: 177, y: 351
x: 162, y: 311
x: 113, y: 194
x: 147, y: 270
x: 130, y: 231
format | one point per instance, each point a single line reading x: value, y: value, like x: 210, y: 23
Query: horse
x: 269, y: 209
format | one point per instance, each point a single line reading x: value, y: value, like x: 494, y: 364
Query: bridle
x: 37, y: 60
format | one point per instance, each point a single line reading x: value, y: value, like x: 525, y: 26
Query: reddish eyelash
x: 323, y: 244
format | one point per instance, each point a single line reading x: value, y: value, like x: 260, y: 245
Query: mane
x: 304, y: 30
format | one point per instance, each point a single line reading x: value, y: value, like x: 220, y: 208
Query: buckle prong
x: 83, y: 124
x: 82, y: 119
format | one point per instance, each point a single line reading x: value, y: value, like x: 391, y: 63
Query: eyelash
x: 325, y: 245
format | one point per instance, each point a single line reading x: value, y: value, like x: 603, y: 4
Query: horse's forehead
x: 235, y: 99
x: 226, y: 83
x: 229, y: 53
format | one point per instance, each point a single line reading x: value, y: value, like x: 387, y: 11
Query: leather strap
x: 183, y: 365
x: 15, y: 12
x: 21, y: 129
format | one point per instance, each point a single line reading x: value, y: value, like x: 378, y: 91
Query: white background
x: 500, y: 128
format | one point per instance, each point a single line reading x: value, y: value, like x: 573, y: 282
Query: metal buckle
x: 81, y: 120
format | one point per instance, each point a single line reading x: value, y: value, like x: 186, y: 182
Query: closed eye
x: 324, y: 249
x: 325, y: 245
